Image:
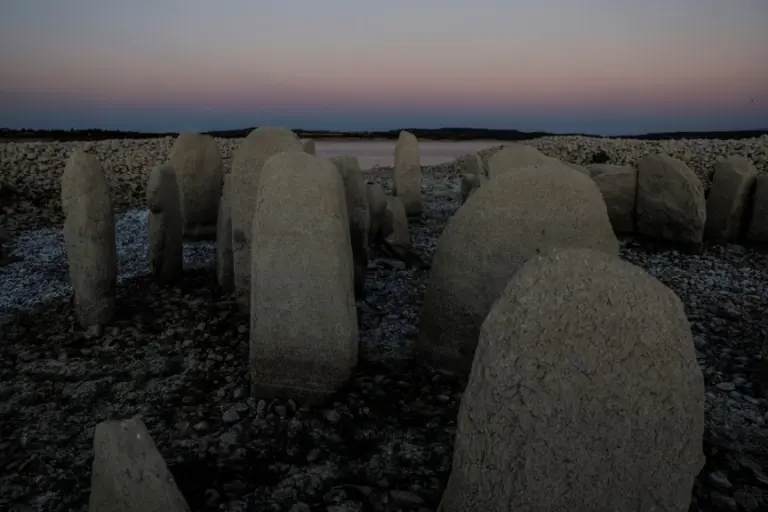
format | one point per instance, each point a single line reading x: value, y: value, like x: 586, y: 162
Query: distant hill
x: 422, y: 133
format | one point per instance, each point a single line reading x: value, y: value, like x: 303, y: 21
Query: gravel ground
x: 177, y: 356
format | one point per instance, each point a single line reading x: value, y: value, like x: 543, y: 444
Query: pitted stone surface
x: 584, y: 394
x: 248, y: 159
x: 518, y: 214
x: 303, y: 336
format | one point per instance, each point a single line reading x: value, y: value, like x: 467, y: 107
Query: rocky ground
x: 177, y: 356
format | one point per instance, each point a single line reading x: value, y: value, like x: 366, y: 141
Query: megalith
x: 395, y: 227
x: 377, y: 205
x: 471, y: 163
x: 89, y: 234
x: 407, y: 174
x: 757, y: 231
x: 303, y: 337
x: 247, y: 161
x: 166, y: 225
x: 515, y: 155
x: 670, y: 201
x: 199, y: 173
x: 618, y: 185
x: 469, y: 185
x: 584, y: 394
x: 732, y: 188
x: 359, y: 216
x: 515, y: 216
x: 129, y: 474
x: 308, y: 146
x: 224, y: 270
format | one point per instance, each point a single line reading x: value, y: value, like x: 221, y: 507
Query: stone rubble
x: 177, y: 356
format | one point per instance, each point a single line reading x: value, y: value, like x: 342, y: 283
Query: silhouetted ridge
x: 450, y: 133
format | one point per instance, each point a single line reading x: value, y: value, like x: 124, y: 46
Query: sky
x: 590, y: 66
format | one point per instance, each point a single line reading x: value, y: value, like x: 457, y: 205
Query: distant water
x: 382, y: 153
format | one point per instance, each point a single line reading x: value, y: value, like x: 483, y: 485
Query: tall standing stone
x: 166, y: 225
x: 224, y: 271
x: 377, y: 205
x: 407, y: 182
x: 584, y: 394
x: 129, y: 474
x: 513, y: 217
x: 89, y: 233
x: 359, y: 216
x: 304, y: 337
x: 247, y: 162
x: 199, y: 173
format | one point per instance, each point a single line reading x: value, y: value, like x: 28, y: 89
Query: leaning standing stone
x: 89, y: 233
x: 166, y: 225
x: 199, y: 172
x: 129, y: 474
x: 247, y: 162
x: 407, y: 182
x: 359, y: 218
x: 304, y: 337
x: 224, y: 271
x: 584, y: 394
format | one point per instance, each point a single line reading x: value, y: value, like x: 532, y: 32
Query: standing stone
x: 304, y: 337
x: 247, y: 162
x: 407, y: 182
x: 584, y: 394
x: 513, y: 156
x: 166, y: 225
x: 758, y: 224
x: 199, y: 172
x: 670, y: 201
x: 395, y: 227
x: 89, y: 233
x: 359, y: 216
x: 618, y: 185
x: 308, y: 146
x: 515, y: 216
x: 224, y: 271
x: 377, y: 204
x: 732, y: 188
x: 129, y: 474
x: 469, y: 185
x: 470, y: 163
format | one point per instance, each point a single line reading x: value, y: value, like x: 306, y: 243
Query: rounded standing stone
x: 166, y: 224
x: 407, y: 174
x: 585, y: 394
x: 304, y: 337
x: 248, y: 159
x: 199, y: 173
x: 89, y: 234
x: 513, y: 217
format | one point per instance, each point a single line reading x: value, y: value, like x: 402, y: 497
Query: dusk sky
x: 595, y: 66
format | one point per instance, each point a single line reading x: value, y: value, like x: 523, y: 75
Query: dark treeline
x: 432, y: 134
